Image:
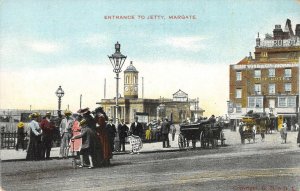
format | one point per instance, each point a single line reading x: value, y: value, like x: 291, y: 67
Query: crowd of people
x: 91, y: 135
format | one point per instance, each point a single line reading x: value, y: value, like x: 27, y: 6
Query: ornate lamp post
x: 59, y: 93
x: 117, y: 60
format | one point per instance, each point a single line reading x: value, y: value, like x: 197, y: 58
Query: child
x: 86, y: 147
x: 148, y: 134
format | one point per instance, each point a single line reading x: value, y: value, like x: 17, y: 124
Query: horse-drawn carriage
x: 206, y: 132
x: 253, y: 123
x: 247, y: 130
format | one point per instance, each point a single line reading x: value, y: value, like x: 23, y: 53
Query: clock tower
x: 131, y: 76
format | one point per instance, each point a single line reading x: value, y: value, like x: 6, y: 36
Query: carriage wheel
x: 181, y: 140
x: 222, y: 138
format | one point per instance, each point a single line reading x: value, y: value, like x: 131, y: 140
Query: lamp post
x: 59, y: 93
x: 117, y: 60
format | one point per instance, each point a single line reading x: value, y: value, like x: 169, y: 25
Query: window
x: 264, y: 54
x: 288, y: 73
x: 257, y: 89
x: 257, y: 73
x: 287, y: 87
x: 238, y: 76
x: 272, y: 72
x: 251, y: 102
x: 291, y: 101
x: 259, y: 102
x: 255, y: 102
x: 238, y: 93
x: 239, y: 108
x: 282, y: 102
x: 271, y: 88
x: 287, y: 101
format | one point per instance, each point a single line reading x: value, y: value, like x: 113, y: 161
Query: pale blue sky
x: 62, y: 34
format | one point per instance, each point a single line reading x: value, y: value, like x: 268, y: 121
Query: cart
x: 206, y: 133
x: 247, y: 131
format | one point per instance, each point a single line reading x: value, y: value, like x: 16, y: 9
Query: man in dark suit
x: 123, y: 131
x: 165, y: 129
x: 111, y: 131
x: 136, y: 128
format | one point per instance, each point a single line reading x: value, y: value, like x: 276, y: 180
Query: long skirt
x: 105, y: 143
x: 34, y: 148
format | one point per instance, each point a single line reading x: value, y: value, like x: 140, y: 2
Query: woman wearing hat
x: 34, y: 146
x: 21, y: 136
x: 106, y: 152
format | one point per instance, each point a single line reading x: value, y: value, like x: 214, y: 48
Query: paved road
x: 265, y: 165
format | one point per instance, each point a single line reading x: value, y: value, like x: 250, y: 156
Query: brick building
x: 178, y: 108
x: 269, y: 82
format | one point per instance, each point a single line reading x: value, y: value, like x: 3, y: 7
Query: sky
x: 51, y: 43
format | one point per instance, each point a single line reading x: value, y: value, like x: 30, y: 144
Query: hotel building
x: 269, y: 82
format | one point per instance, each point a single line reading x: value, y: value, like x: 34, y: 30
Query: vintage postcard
x: 150, y: 95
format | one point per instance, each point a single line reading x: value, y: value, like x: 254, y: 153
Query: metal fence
x: 9, y: 140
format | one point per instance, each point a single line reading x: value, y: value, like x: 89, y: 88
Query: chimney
x: 257, y: 40
x: 297, y: 31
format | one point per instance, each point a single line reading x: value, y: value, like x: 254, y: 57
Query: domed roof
x: 131, y: 68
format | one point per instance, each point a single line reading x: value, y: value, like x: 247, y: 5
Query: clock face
x: 126, y: 89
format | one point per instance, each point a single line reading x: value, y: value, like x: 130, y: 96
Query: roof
x: 131, y: 68
x: 180, y: 93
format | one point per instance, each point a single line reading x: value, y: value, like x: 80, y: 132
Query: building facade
x: 269, y: 82
x: 177, y: 109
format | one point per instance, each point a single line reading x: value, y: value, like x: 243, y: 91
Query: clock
x: 126, y: 89
x: 135, y: 88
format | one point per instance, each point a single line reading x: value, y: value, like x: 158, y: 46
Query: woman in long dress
x: 101, y: 118
x: 34, y: 146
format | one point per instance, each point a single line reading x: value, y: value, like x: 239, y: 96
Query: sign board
x: 136, y: 143
x: 142, y: 117
x: 263, y: 66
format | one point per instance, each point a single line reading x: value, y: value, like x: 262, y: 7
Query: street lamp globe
x: 117, y: 59
x: 60, y: 92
